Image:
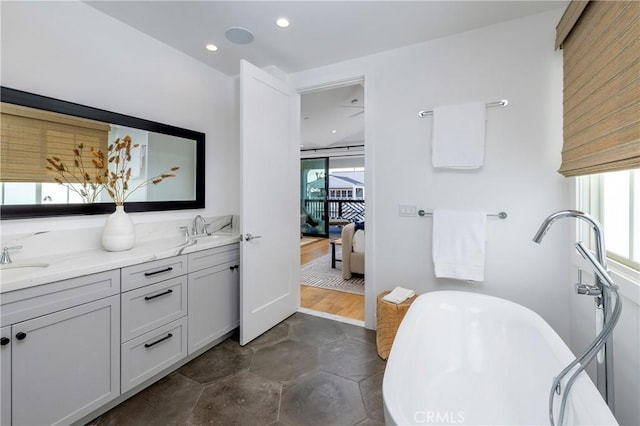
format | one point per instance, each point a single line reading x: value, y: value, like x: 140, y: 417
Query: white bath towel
x: 458, y: 136
x: 399, y: 295
x: 459, y: 239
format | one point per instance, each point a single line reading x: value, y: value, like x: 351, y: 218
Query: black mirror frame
x: 32, y: 100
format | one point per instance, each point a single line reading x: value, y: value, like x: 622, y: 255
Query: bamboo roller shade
x: 601, y: 43
x: 30, y: 135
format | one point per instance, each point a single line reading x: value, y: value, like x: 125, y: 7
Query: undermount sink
x: 24, y: 266
x: 211, y: 237
x: 16, y: 270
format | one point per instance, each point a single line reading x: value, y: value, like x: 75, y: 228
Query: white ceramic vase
x: 119, y: 233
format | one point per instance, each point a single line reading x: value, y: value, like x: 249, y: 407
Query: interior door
x: 269, y: 205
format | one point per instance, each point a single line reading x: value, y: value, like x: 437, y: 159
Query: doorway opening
x: 332, y: 202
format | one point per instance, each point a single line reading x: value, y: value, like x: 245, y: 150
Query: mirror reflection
x: 41, y: 134
x: 30, y: 137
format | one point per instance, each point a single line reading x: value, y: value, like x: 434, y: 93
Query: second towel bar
x: 501, y: 103
x: 501, y: 215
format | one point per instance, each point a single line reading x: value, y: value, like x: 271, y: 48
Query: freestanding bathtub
x: 472, y: 359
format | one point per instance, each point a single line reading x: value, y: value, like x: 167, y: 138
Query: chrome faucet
x: 604, y: 290
x: 5, y: 260
x: 199, y: 230
x: 597, y: 228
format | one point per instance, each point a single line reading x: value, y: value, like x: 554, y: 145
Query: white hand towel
x: 399, y: 295
x: 458, y: 136
x: 459, y: 240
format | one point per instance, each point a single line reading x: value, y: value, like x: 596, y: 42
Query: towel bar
x: 501, y: 215
x: 501, y: 103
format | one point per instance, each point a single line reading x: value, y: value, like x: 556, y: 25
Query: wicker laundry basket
x: 388, y: 318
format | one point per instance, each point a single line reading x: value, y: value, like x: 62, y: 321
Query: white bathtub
x: 466, y: 358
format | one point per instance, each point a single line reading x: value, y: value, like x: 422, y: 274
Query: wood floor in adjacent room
x: 323, y: 300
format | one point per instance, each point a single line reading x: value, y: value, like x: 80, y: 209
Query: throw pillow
x: 358, y: 241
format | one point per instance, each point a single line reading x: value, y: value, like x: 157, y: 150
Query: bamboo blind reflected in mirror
x: 30, y: 135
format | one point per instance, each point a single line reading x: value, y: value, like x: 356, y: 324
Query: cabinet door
x: 66, y: 364
x: 5, y: 376
x: 213, y: 303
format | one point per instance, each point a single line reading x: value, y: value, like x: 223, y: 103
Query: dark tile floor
x: 305, y: 371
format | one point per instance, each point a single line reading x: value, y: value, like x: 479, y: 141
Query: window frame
x: 590, y: 199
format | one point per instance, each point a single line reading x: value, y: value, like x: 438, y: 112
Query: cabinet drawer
x: 32, y: 302
x: 152, y: 272
x: 149, y: 307
x: 149, y: 354
x: 212, y: 257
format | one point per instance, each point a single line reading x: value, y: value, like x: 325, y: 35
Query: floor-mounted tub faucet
x: 604, y: 289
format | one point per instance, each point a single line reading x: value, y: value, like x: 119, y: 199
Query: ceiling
x: 321, y: 33
x: 332, y: 117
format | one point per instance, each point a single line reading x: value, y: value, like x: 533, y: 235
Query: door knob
x: 250, y: 237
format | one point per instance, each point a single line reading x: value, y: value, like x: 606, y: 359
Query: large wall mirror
x: 37, y: 128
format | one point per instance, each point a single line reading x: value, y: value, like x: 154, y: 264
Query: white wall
x: 71, y: 51
x: 513, y: 60
x: 626, y: 349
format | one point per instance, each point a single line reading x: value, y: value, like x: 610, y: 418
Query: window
x: 341, y: 194
x: 614, y: 199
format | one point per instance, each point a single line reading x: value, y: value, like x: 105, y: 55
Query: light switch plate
x: 405, y: 210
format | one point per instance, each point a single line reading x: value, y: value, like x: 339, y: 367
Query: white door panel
x: 269, y: 210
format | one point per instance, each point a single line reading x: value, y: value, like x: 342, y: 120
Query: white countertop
x: 25, y: 273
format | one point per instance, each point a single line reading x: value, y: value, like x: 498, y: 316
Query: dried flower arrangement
x: 119, y: 155
x: 116, y: 180
x: 92, y: 179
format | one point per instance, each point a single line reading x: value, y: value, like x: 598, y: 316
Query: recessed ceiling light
x: 211, y: 47
x: 283, y: 22
x: 334, y: 131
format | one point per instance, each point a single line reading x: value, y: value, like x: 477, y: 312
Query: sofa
x: 352, y: 261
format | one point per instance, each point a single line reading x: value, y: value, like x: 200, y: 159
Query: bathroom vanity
x: 79, y: 337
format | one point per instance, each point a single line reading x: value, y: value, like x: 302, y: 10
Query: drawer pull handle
x: 4, y: 341
x: 21, y: 335
x: 234, y: 267
x: 148, y: 274
x: 158, y: 295
x: 168, y: 336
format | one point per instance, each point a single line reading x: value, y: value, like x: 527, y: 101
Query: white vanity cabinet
x: 154, y: 318
x: 5, y: 376
x: 71, y: 349
x: 62, y: 361
x: 214, y: 281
